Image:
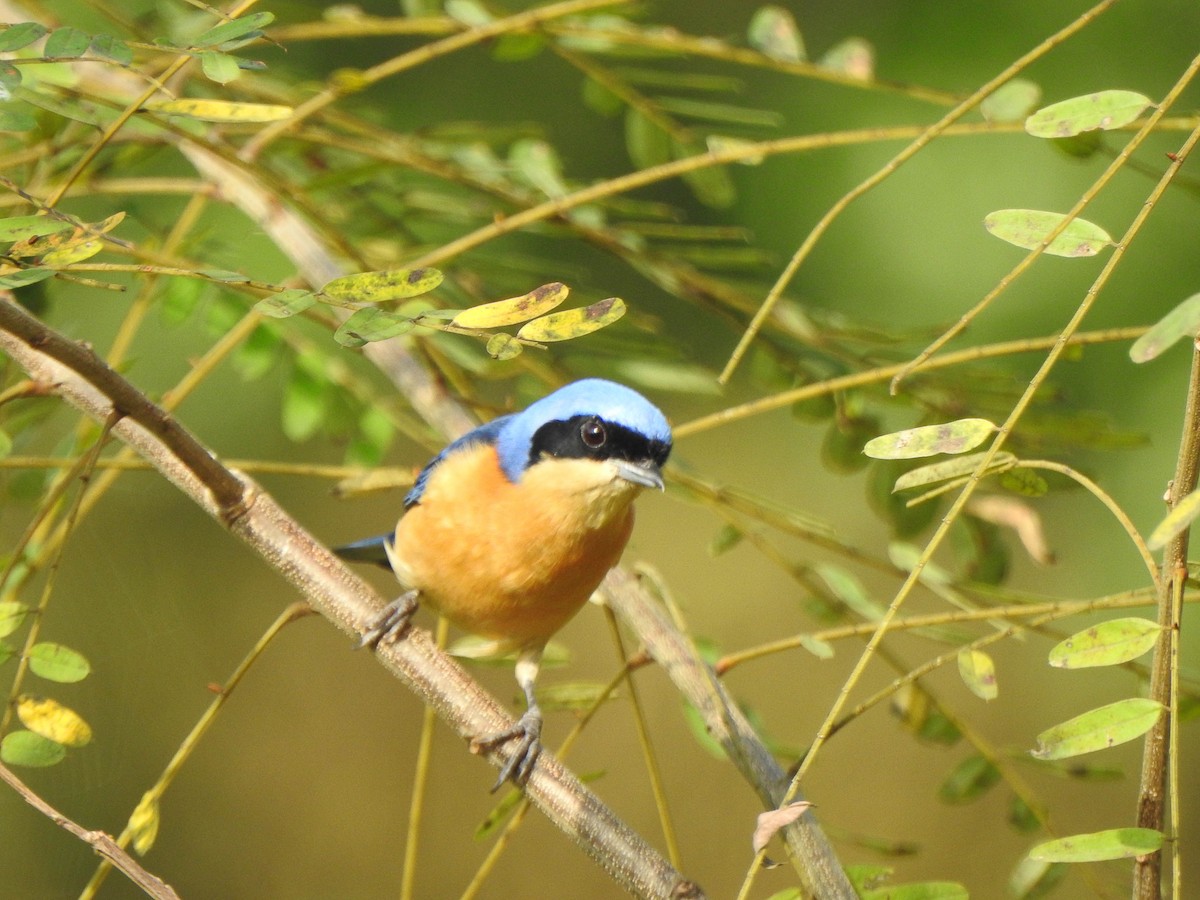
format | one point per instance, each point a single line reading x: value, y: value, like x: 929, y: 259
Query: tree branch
x: 101, y: 841
x: 75, y: 373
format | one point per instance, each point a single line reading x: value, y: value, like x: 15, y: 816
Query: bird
x: 511, y: 528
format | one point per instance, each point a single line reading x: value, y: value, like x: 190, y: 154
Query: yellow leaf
x: 383, y: 285
x: 978, y: 673
x: 517, y: 309
x: 143, y: 823
x: 573, y: 323
x: 221, y: 110
x: 53, y: 721
x: 503, y: 346
x: 73, y: 253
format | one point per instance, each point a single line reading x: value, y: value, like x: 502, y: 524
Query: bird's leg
x: 391, y: 622
x: 527, y: 729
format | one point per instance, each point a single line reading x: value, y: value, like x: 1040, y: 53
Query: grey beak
x: 647, y: 474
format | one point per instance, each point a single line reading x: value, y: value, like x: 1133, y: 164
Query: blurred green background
x: 302, y: 788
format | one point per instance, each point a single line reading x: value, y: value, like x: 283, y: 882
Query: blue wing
x: 484, y: 434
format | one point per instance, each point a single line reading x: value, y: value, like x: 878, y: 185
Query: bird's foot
x: 528, y: 732
x: 391, y: 622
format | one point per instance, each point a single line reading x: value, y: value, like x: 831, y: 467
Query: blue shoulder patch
x: 484, y: 434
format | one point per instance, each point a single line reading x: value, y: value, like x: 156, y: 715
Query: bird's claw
x: 391, y: 622
x: 528, y: 732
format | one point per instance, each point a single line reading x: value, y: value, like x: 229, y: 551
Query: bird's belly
x: 518, y: 586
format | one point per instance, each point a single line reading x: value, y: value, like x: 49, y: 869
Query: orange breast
x: 510, y: 562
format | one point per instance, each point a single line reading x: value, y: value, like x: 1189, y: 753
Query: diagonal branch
x: 74, y: 372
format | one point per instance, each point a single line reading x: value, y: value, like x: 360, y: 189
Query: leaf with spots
x: 1107, y: 644
x: 573, y: 323
x: 537, y: 302
x: 1029, y: 228
x: 1098, y: 729
x: 1102, y: 111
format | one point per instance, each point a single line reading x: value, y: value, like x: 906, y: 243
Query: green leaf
x: 1022, y: 816
x: 969, y: 780
x: 1179, y: 518
x: 564, y: 326
x: 516, y: 309
x: 239, y: 29
x: 1116, y: 843
x: 285, y: 303
x: 219, y: 67
x: 1028, y: 228
x: 773, y: 32
x: 306, y: 401
x: 17, y: 118
x: 53, y: 721
x: 846, y: 587
x: 14, y: 37
x: 67, y: 42
x: 1033, y: 879
x: 1107, y: 644
x: 928, y: 440
x: 381, y: 286
x: 1099, y: 728
x: 468, y: 12
x: 371, y: 324
x: 958, y: 467
x: 853, y: 56
x: 647, y: 144
x: 12, y: 615
x: 925, y: 890
x: 5, y: 443
x: 817, y: 647
x: 978, y: 673
x: 54, y: 662
x: 1104, y: 111
x: 18, y: 228
x: 503, y: 346
x: 1181, y: 322
x: 727, y: 537
x: 22, y: 277
x: 711, y: 185
x: 1025, y: 482
x: 1012, y: 101
x: 10, y: 80
x: 24, y: 748
x: 109, y: 47
x: 536, y: 162
x: 683, y: 378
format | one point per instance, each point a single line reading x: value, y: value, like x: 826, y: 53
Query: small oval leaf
x: 969, y: 780
x: 537, y: 302
x: 143, y: 823
x: 379, y: 287
x: 12, y: 614
x: 235, y: 29
x: 1099, y: 728
x: 221, y: 111
x: 978, y: 673
x: 503, y: 346
x: 563, y: 326
x: 1011, y: 102
x: 219, y: 67
x: 24, y: 748
x: 67, y: 42
x: 54, y: 662
x: 1175, y: 521
x: 927, y: 440
x: 371, y: 324
x: 53, y: 721
x: 1104, y: 110
x: 285, y: 303
x: 773, y: 31
x: 1028, y: 228
x: 14, y: 37
x: 1116, y: 843
x: 1181, y: 322
x: 958, y: 467
x: 19, y: 228
x: 1107, y: 644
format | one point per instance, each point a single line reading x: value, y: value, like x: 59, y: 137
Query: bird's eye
x: 593, y: 434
